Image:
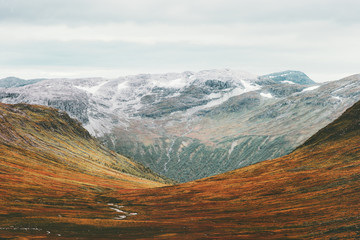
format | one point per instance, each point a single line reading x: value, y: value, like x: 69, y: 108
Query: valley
x: 192, y: 125
x: 179, y: 120
x: 311, y: 193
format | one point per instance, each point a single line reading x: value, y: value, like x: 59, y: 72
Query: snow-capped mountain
x: 195, y: 124
x: 290, y: 77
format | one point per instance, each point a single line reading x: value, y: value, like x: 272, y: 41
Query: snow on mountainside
x: 156, y: 95
x: 195, y: 124
x: 16, y: 82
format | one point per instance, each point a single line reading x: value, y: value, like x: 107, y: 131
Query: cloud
x: 185, y: 11
x: 305, y: 34
x: 319, y: 37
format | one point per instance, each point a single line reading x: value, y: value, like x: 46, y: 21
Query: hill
x: 312, y: 193
x: 50, y: 166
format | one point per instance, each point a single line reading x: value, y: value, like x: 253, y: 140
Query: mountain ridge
x: 10, y: 82
x: 346, y: 126
x: 290, y: 77
x: 40, y: 128
x: 192, y: 125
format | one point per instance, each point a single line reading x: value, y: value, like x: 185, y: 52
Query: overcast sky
x: 110, y: 38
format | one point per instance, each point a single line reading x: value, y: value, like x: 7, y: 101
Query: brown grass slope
x: 312, y: 193
x: 50, y: 166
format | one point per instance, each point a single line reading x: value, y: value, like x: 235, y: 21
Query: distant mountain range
x: 16, y: 82
x: 192, y: 125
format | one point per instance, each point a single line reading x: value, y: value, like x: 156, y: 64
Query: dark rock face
x: 4, y: 95
x: 157, y: 107
x: 76, y: 108
x: 218, y: 85
x: 282, y: 90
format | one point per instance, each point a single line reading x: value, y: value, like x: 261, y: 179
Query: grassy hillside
x: 50, y: 166
x: 313, y: 192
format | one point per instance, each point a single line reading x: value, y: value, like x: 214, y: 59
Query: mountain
x: 290, y: 77
x: 312, y: 193
x: 16, y: 82
x: 192, y: 125
x: 51, y: 136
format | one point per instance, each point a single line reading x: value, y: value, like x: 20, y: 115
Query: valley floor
x: 308, y: 194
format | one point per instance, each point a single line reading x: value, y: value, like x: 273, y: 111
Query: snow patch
x: 175, y: 83
x: 175, y: 94
x: 288, y: 82
x: 122, y: 85
x: 225, y: 97
x: 98, y: 127
x: 248, y: 87
x: 92, y: 89
x: 233, y: 145
x: 337, y: 98
x: 310, y: 88
x: 266, y: 95
x: 214, y: 95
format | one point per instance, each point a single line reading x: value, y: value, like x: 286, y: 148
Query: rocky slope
x: 192, y: 125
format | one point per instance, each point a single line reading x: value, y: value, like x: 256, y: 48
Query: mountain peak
x: 11, y: 81
x: 289, y: 76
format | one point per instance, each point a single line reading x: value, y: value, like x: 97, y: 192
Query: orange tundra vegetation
x: 50, y: 166
x: 312, y: 193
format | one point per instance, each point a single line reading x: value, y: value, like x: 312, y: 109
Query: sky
x: 112, y: 38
